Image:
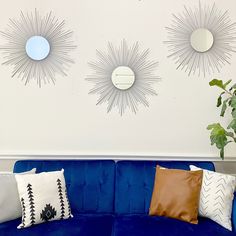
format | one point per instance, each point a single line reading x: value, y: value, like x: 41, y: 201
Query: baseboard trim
x: 116, y: 157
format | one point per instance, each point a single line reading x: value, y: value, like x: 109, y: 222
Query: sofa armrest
x: 234, y: 213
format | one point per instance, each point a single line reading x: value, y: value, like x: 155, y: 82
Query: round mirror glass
x: 202, y: 40
x: 37, y: 48
x: 123, y: 77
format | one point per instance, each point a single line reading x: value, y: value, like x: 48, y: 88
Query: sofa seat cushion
x: 143, y: 225
x: 79, y: 225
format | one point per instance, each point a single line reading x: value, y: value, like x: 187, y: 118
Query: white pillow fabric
x: 43, y: 198
x: 216, y: 197
x: 10, y: 207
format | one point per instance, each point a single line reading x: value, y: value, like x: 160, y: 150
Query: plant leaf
x: 233, y: 102
x: 227, y: 83
x: 224, y: 107
x: 218, y: 83
x: 219, y: 100
x: 218, y: 137
x: 230, y: 134
x: 232, y: 125
x: 234, y: 113
x: 212, y: 126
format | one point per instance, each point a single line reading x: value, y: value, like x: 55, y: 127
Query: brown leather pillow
x: 176, y: 194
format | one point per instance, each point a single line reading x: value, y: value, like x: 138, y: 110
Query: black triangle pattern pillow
x: 43, y: 198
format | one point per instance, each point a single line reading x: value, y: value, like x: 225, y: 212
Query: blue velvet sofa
x: 112, y: 198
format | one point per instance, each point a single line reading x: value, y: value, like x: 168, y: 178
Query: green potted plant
x: 221, y: 136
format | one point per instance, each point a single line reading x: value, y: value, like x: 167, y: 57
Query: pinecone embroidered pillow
x: 216, y: 197
x: 43, y: 198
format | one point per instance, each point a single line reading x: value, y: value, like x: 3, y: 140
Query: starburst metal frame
x: 142, y: 67
x: 183, y: 25
x: 33, y: 24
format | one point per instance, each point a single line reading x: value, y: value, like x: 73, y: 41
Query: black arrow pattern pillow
x: 216, y: 197
x: 43, y: 198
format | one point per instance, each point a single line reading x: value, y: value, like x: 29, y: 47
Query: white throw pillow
x: 216, y: 198
x: 10, y: 207
x: 43, y: 198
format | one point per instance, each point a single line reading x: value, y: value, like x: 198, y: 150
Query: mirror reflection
x: 202, y: 40
x: 37, y: 48
x: 123, y: 77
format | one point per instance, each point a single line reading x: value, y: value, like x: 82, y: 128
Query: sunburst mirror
x: 123, y: 77
x: 38, y: 47
x: 201, y: 39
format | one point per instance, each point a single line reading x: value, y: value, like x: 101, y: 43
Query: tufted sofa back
x: 134, y: 183
x: 90, y: 184
x: 104, y: 186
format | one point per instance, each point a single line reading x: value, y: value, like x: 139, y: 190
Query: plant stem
x: 228, y: 92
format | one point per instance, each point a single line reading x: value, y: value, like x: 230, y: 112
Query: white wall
x: 7, y: 165
x: 64, y: 119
